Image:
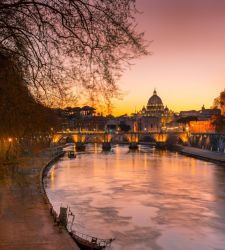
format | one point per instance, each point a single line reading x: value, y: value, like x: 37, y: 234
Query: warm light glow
x: 184, y: 137
x: 132, y: 138
x: 187, y: 63
x: 56, y: 138
x: 201, y: 127
x: 160, y: 137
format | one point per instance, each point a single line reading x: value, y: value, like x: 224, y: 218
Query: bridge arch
x: 130, y: 137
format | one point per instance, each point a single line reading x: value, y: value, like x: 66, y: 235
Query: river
x: 146, y: 199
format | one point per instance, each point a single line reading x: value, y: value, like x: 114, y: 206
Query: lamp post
x: 8, y: 150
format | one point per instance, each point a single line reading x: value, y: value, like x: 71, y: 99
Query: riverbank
x: 202, y: 154
x: 24, y: 213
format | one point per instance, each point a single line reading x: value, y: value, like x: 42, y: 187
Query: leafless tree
x: 60, y: 42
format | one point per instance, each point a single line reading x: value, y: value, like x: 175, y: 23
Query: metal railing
x: 92, y: 240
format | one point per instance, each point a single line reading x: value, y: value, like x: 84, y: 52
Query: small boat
x: 71, y: 154
x: 80, y: 146
x: 133, y: 146
x: 87, y: 242
x: 106, y: 146
x: 84, y: 241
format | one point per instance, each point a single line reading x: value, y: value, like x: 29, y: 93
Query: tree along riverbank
x: 24, y: 213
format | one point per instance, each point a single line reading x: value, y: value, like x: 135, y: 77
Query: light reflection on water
x: 146, y: 200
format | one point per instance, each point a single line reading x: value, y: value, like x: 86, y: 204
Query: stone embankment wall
x: 203, y: 154
x: 212, y: 142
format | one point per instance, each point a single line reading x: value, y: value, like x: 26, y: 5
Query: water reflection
x: 146, y: 199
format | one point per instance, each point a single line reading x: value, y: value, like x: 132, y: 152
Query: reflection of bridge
x: 120, y: 137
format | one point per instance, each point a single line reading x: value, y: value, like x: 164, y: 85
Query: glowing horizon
x: 187, y: 65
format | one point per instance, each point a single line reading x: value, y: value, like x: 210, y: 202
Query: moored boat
x: 133, y: 146
x: 71, y: 154
x: 80, y: 146
x: 106, y: 146
x: 87, y: 242
x: 84, y: 241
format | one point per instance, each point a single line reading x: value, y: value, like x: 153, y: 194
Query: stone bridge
x: 209, y: 141
x: 120, y: 137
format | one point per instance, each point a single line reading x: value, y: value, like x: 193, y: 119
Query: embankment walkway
x: 25, y: 221
x: 203, y: 154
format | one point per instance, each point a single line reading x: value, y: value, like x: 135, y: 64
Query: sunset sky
x: 187, y: 66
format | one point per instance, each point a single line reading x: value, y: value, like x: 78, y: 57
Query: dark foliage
x: 219, y: 102
x: 219, y: 121
x: 21, y: 115
x: 187, y: 119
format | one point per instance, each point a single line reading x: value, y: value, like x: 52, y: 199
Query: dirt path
x: 25, y: 222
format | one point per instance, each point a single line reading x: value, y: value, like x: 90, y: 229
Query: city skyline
x: 80, y: 169
x: 188, y: 56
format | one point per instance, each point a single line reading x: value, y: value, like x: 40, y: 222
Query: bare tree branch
x: 59, y: 43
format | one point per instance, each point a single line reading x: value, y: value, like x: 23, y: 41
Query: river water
x: 146, y: 199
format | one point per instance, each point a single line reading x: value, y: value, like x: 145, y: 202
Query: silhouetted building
x: 188, y: 113
x: 80, y: 118
x: 154, y: 116
x: 121, y: 123
x: 90, y: 123
x: 200, y: 121
x: 77, y: 112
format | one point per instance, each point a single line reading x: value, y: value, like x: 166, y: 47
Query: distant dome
x: 154, y: 101
x: 166, y: 109
x: 155, y: 108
